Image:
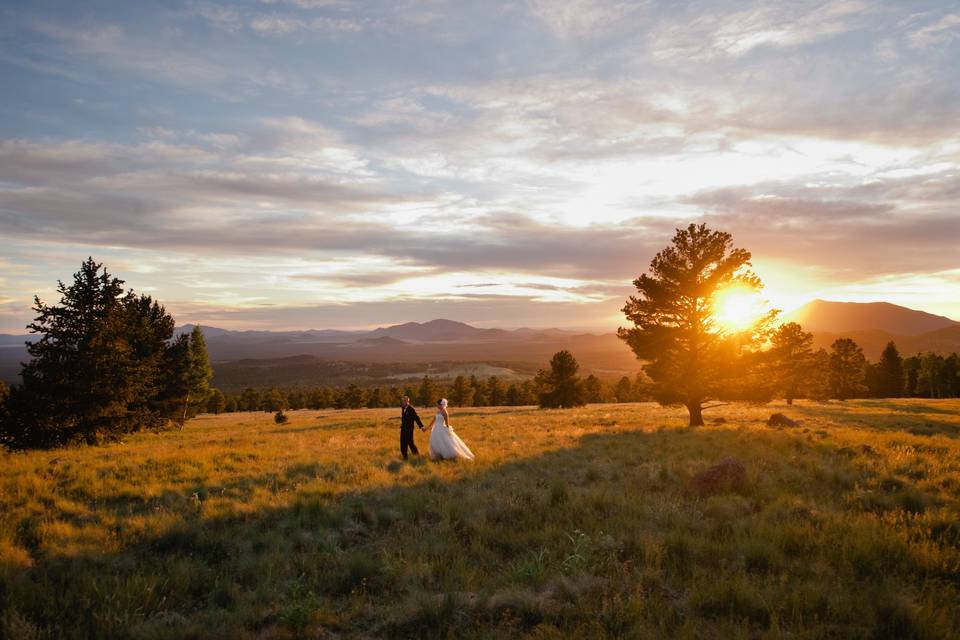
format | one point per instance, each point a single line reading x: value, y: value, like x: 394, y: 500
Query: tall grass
x: 570, y: 524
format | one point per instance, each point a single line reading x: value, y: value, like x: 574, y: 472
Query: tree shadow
x: 542, y: 542
x: 901, y: 417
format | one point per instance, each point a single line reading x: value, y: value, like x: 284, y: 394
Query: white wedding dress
x: 445, y: 444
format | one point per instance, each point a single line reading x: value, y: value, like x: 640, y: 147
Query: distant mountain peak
x: 439, y: 330
x: 837, y: 317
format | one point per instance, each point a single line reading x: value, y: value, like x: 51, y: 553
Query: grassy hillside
x: 571, y: 524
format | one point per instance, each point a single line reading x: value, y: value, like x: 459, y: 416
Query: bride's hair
x: 442, y: 402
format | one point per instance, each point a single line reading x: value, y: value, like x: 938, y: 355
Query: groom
x: 408, y: 415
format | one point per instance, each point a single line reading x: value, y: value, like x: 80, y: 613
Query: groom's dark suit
x: 408, y: 417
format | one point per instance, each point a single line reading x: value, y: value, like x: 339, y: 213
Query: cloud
x: 167, y: 58
x: 943, y: 31
x: 280, y: 25
x: 221, y: 16
x: 847, y: 240
x: 582, y: 18
x: 702, y: 35
x: 418, y: 150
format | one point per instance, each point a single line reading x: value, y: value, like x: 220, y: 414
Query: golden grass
x: 570, y: 524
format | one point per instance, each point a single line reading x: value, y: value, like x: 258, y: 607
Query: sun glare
x: 737, y: 308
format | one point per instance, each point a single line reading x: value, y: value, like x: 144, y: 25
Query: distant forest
x: 790, y: 370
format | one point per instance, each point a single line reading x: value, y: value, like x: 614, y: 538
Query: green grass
x: 570, y: 524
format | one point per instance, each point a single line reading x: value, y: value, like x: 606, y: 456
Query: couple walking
x: 444, y: 443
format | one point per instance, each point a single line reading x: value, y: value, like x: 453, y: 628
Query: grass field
x: 571, y: 523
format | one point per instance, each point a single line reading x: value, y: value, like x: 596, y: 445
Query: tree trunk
x: 186, y: 404
x: 696, y: 414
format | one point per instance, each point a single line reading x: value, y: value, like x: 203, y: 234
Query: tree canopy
x: 560, y: 387
x: 104, y: 364
x: 690, y: 357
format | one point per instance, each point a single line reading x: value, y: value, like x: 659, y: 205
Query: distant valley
x: 445, y: 348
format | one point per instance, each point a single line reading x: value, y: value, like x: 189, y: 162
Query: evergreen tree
x: 528, y: 393
x: 148, y: 331
x: 198, y: 375
x: 172, y: 400
x: 930, y: 376
x: 911, y: 374
x: 890, y: 377
x: 4, y: 397
x: 94, y: 372
x: 561, y: 387
x: 273, y: 401
x: 375, y: 399
x: 217, y: 402
x: 818, y: 386
x: 393, y: 397
x: 479, y: 392
x: 624, y: 390
x: 353, y: 397
x: 846, y: 369
x: 514, y: 395
x: 461, y: 393
x: 871, y: 379
x: 427, y: 393
x: 249, y: 400
x: 642, y: 388
x: 791, y: 355
x: 320, y: 398
x: 296, y: 400
x: 689, y: 356
x: 592, y: 390
x: 951, y: 376
x: 496, y: 392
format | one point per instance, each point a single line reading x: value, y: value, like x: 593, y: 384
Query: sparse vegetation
x: 575, y: 523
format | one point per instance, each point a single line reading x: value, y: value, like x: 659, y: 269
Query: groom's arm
x: 416, y: 418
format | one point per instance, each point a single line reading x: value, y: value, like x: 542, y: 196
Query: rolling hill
x: 412, y: 348
x: 873, y: 324
x: 840, y: 317
x: 415, y: 347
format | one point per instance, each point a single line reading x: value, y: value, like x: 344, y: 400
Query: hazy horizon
x: 329, y: 164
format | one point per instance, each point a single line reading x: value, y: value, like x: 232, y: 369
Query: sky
x: 284, y: 164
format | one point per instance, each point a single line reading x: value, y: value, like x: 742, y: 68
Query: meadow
x: 571, y: 523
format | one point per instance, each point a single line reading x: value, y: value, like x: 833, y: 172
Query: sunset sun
x: 738, y: 308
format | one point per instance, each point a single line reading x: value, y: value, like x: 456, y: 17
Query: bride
x: 444, y: 443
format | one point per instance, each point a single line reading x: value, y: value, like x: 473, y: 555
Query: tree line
x: 557, y: 387
x: 105, y: 364
x: 790, y: 369
x: 794, y: 370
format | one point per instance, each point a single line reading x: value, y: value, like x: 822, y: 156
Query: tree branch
x: 714, y: 406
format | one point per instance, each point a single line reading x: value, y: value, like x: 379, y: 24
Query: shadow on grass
x: 901, y: 417
x: 592, y: 541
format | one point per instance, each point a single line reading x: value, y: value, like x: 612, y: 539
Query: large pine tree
x: 689, y: 356
x: 94, y: 370
x: 103, y: 365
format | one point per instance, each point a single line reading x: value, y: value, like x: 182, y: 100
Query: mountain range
x: 873, y: 324
x: 412, y: 344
